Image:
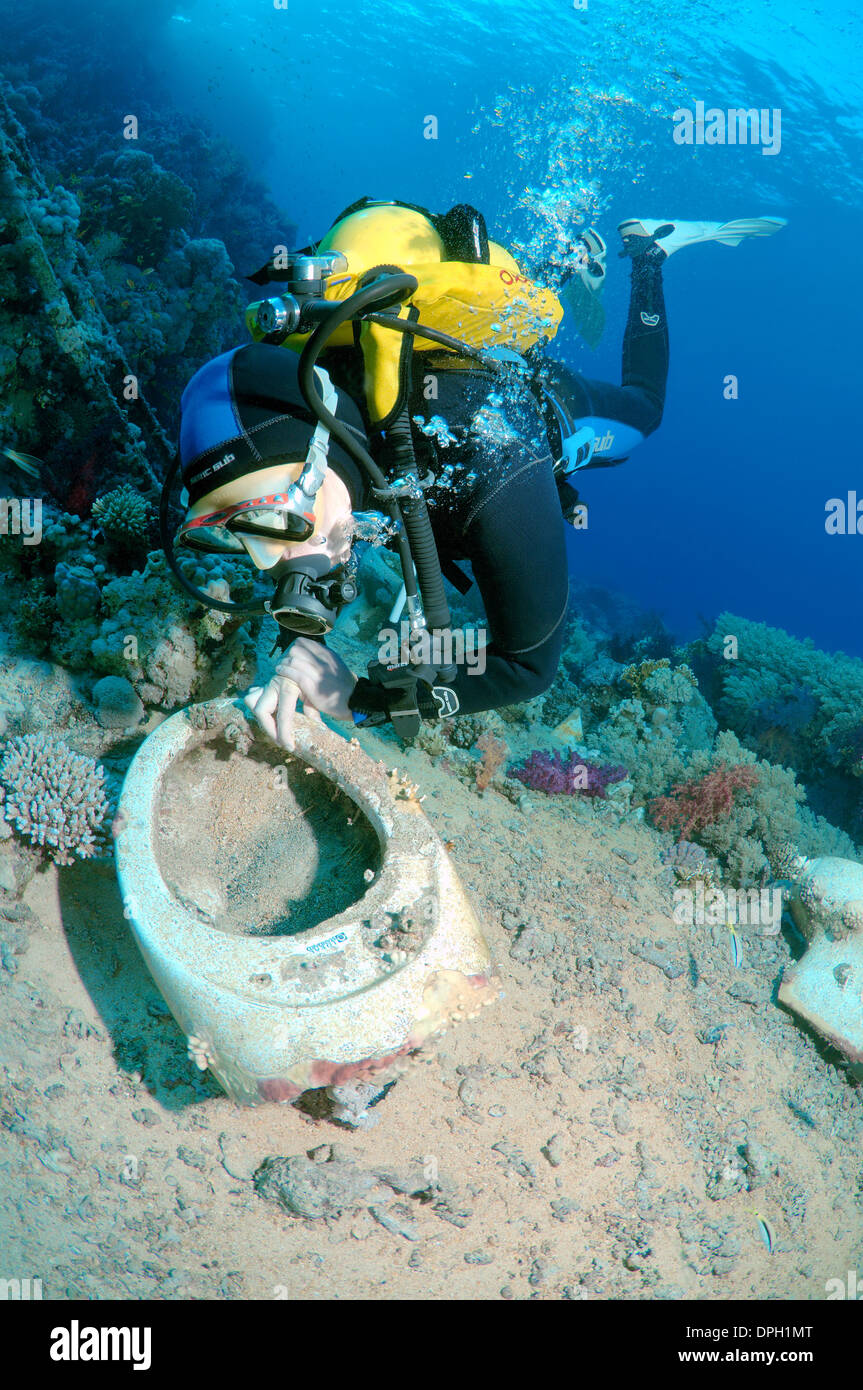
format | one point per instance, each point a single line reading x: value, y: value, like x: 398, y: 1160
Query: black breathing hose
x: 419, y: 330
x: 403, y: 466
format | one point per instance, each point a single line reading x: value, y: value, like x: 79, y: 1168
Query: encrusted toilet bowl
x: 297, y: 910
x: 825, y: 987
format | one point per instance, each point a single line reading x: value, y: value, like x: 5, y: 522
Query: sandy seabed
x: 616, y: 1126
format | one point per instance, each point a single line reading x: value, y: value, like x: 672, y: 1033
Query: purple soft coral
x: 549, y: 772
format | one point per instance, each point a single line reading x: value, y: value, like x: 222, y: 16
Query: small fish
x: 131, y: 284
x: 468, y: 176
x: 766, y: 1232
x: 26, y: 462
x: 736, y: 946
x: 802, y: 1114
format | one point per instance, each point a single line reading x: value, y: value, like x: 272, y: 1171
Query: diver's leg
x: 622, y: 416
x: 645, y: 341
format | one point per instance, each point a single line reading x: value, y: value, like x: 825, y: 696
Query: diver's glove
x: 396, y: 695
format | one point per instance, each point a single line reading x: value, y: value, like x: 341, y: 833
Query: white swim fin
x: 671, y: 236
x: 582, y: 292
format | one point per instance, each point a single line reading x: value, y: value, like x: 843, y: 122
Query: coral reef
x: 113, y: 272
x: 67, y: 377
x: 572, y: 776
x: 53, y: 798
x: 138, y: 625
x: 757, y: 808
x: 656, y: 733
x: 130, y: 194
x: 786, y: 699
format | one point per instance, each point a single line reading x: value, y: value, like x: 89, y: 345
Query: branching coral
x: 572, y: 776
x: 53, y: 797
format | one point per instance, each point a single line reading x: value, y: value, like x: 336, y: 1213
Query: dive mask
x: 273, y: 517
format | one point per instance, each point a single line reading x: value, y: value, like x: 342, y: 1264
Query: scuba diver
x: 433, y: 413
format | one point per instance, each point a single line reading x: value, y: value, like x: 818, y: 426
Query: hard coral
x: 123, y: 516
x: 689, y: 862
x: 693, y: 805
x: 549, y: 772
x: 52, y: 796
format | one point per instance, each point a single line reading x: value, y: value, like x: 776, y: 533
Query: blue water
x: 550, y: 117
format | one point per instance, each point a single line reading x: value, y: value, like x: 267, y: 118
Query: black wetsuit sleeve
x: 514, y: 538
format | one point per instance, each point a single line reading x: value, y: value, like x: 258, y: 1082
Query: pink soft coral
x: 691, y: 806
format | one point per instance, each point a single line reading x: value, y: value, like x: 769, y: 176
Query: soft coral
x: 692, y: 805
x: 549, y: 772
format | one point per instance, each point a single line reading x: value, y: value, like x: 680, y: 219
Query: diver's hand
x: 310, y: 672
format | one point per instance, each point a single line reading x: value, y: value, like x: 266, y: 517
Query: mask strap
x: 302, y: 493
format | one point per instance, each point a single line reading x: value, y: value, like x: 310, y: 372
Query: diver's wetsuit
x: 502, y: 510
